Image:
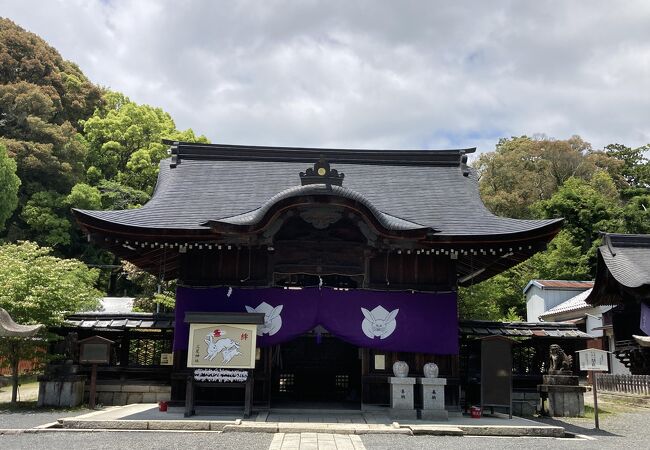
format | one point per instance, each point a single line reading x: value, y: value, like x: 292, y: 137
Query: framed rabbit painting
x: 222, y: 346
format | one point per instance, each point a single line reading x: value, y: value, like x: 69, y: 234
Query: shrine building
x: 350, y: 259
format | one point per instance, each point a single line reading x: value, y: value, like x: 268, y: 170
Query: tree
x: 10, y: 183
x: 42, y: 100
x: 635, y: 167
x: 588, y: 207
x: 153, y: 292
x: 40, y: 288
x: 523, y: 170
x: 125, y: 141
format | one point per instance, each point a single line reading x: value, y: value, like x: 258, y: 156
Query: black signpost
x: 496, y: 373
x: 94, y: 350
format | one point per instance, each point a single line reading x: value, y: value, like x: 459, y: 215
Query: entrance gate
x: 316, y: 371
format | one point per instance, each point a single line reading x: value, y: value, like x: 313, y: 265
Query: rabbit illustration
x: 379, y: 322
x: 229, y: 348
x: 272, y: 318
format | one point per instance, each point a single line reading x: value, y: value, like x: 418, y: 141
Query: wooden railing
x: 627, y: 384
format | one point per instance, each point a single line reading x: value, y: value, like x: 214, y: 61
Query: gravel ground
x: 30, y: 419
x: 629, y: 429
x: 135, y: 440
x: 625, y: 428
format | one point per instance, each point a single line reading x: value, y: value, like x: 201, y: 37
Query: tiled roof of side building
x: 420, y: 190
x: 560, y: 284
x: 573, y: 304
x: 627, y: 258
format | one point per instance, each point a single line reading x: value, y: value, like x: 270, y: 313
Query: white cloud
x: 407, y: 74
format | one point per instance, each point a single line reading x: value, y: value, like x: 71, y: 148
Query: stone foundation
x: 125, y: 394
x: 401, y: 398
x: 433, y: 398
x: 66, y: 392
x: 564, y: 397
x: 525, y: 404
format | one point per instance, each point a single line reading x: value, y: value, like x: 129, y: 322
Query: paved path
x: 27, y: 392
x: 316, y: 441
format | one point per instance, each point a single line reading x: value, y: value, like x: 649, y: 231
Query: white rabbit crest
x: 272, y: 318
x: 379, y: 322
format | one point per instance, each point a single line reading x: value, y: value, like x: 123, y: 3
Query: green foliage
x: 149, y: 299
x: 45, y: 216
x: 125, y: 141
x: 115, y: 195
x: 635, y: 166
x: 10, y: 184
x: 587, y: 208
x: 42, y: 99
x: 39, y: 288
x: 26, y: 57
x: 494, y: 297
x: 84, y: 196
x: 523, y: 170
x: 636, y: 214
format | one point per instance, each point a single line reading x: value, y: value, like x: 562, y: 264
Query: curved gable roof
x: 204, y: 184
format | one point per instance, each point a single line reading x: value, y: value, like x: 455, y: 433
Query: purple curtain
x: 645, y: 318
x: 391, y: 321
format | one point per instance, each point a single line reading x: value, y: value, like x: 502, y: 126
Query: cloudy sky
x: 376, y: 74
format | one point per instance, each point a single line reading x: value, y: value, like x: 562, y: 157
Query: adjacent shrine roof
x: 203, y: 187
x: 623, y: 270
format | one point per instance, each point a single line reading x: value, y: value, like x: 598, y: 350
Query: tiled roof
x: 560, y: 285
x: 566, y: 284
x: 111, y: 321
x: 627, y: 258
x: 425, y: 191
x: 480, y: 328
x: 573, y: 304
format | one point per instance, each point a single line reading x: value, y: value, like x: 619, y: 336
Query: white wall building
x: 542, y: 295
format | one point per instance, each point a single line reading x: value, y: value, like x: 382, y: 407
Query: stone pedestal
x: 433, y: 399
x: 565, y: 397
x: 65, y: 391
x: 401, y: 398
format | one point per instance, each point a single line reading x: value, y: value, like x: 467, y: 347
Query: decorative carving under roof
x: 9, y: 328
x: 322, y: 174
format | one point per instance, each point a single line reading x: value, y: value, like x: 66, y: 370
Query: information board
x: 227, y: 346
x: 593, y: 359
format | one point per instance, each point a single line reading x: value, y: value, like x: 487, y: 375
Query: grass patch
x: 590, y: 413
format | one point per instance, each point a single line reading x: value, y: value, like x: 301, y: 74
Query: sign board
x: 220, y: 375
x: 166, y: 359
x: 593, y: 359
x: 95, y: 350
x: 496, y: 372
x: 219, y: 345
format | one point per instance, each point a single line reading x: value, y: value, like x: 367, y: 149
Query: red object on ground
x: 475, y: 411
x: 162, y: 406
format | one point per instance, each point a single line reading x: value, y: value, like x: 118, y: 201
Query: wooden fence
x: 24, y: 366
x: 627, y: 384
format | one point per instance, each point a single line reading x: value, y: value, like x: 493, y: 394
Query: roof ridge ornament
x: 321, y: 173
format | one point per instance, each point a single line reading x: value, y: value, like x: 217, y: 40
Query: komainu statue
x: 560, y: 362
